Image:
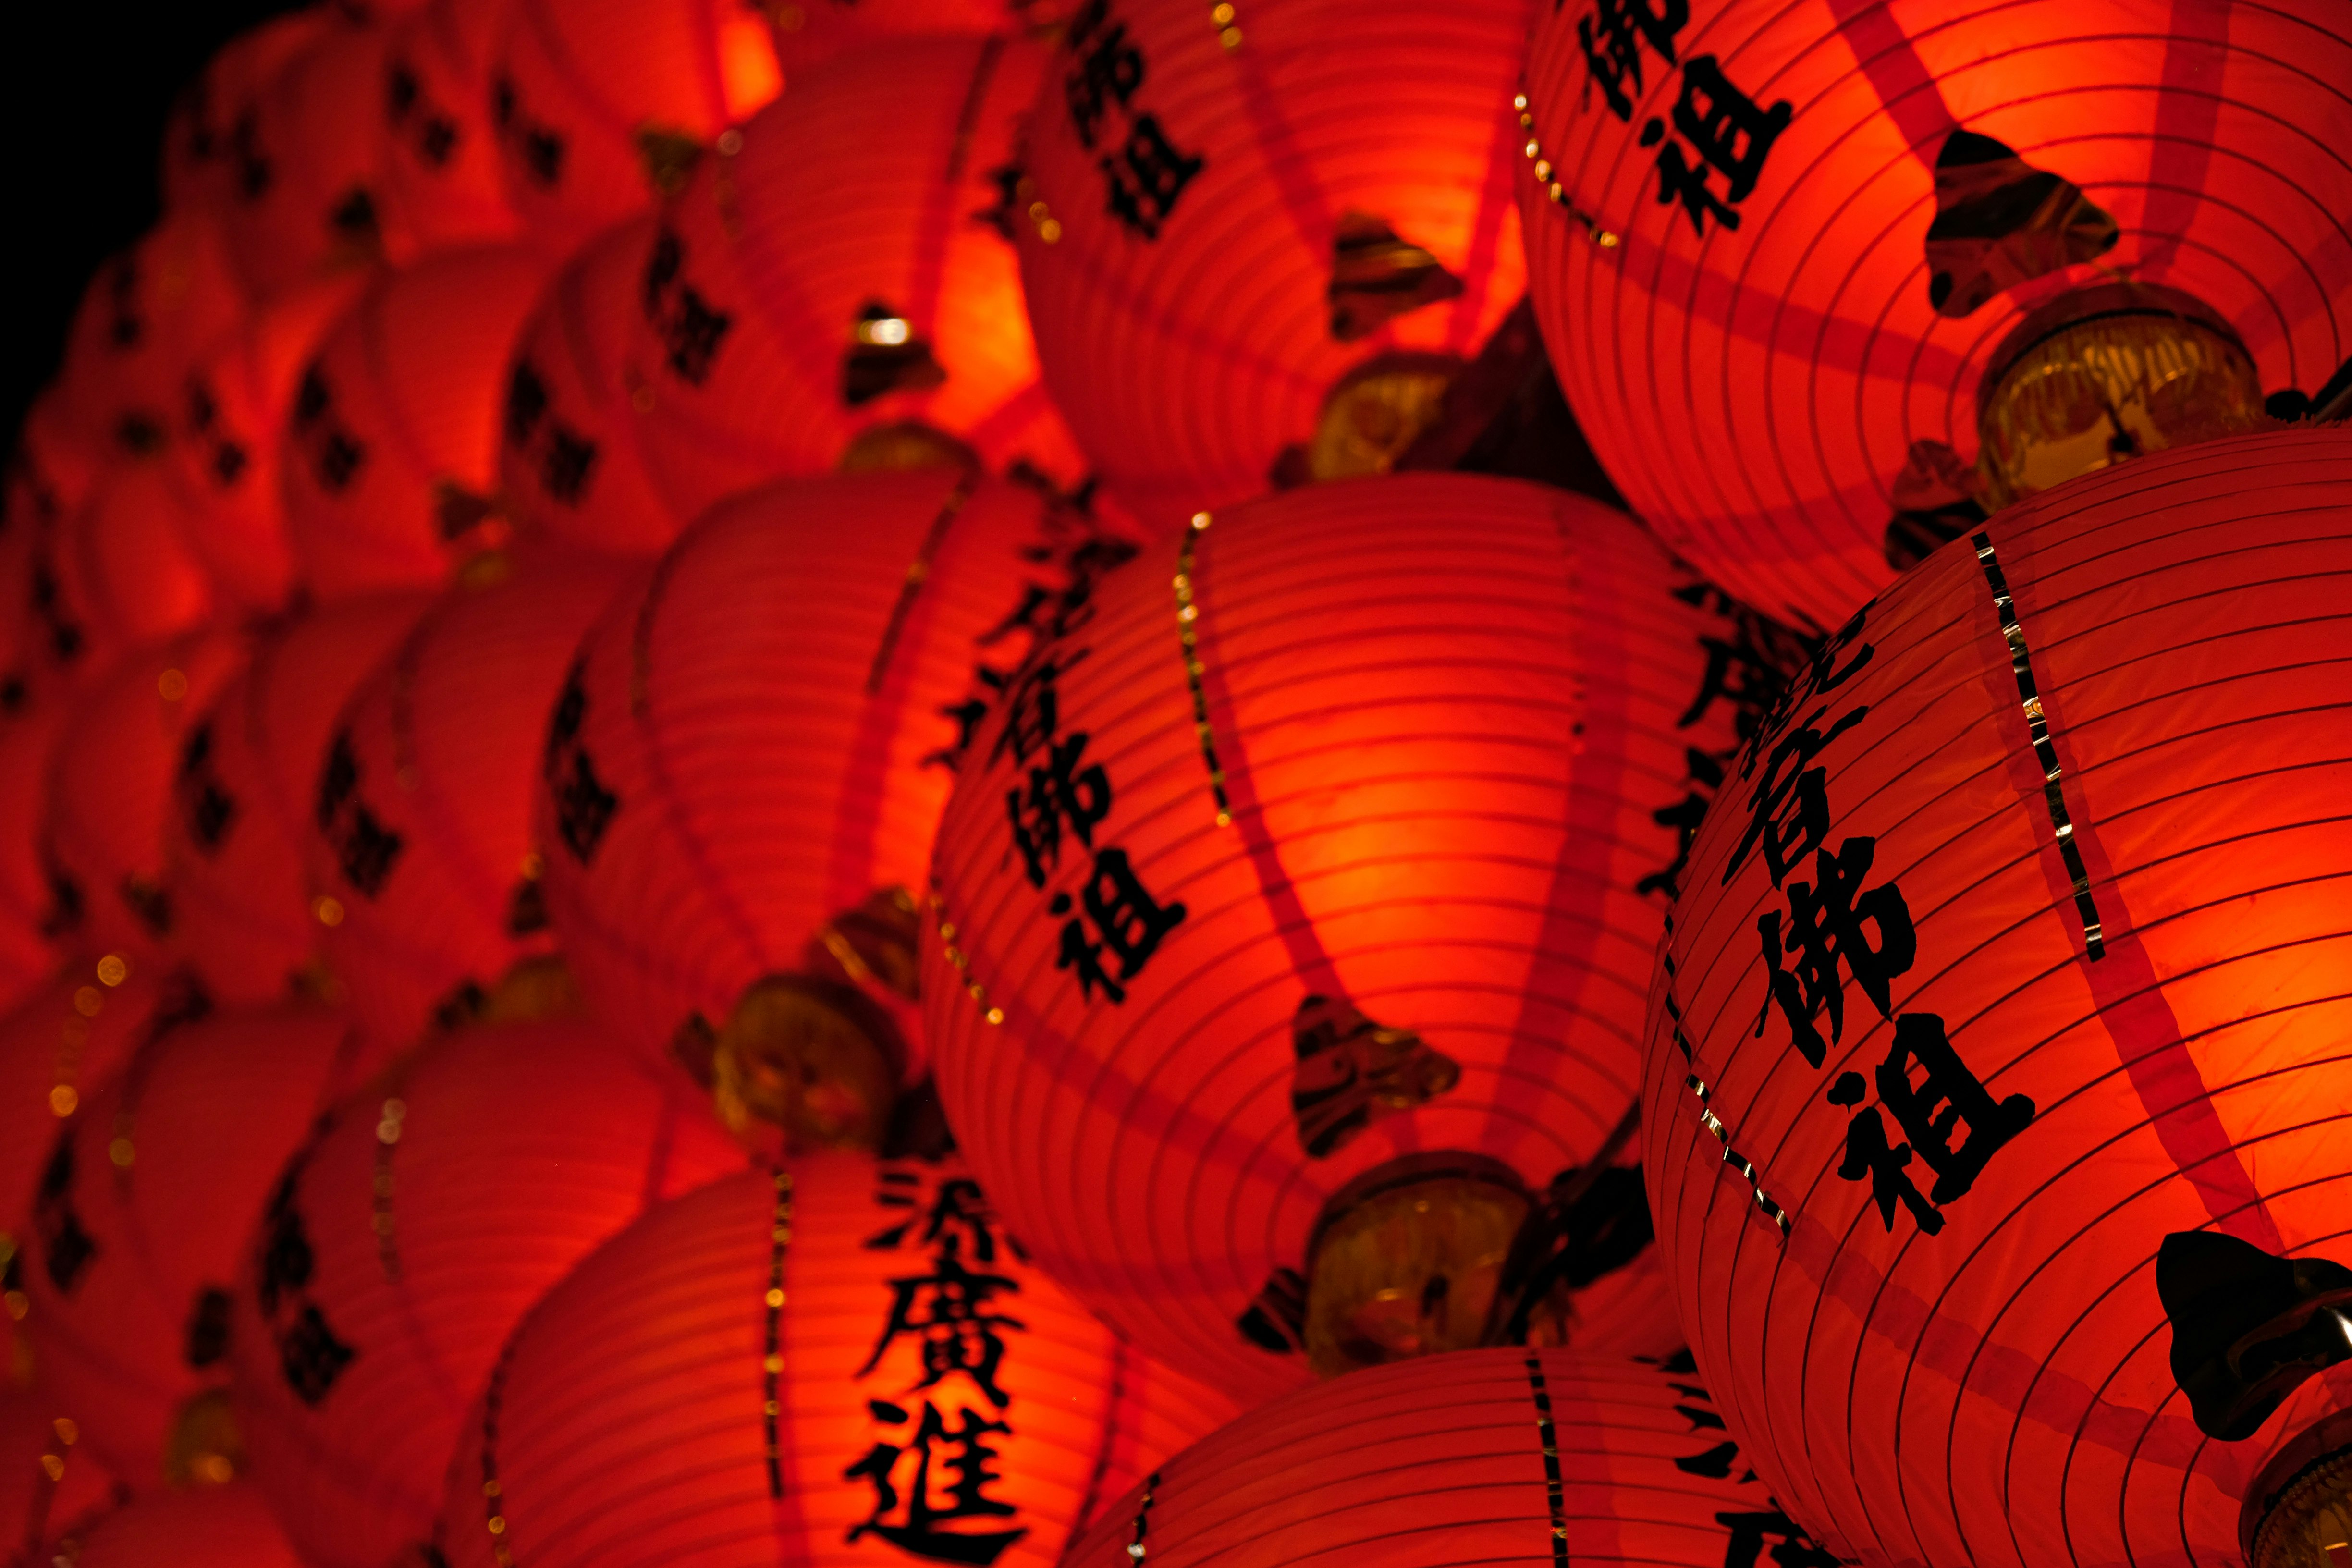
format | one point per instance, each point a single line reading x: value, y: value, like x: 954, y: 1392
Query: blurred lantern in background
x: 418, y: 844
x: 441, y: 163
x: 407, y: 1238
x: 1805, y: 270
x: 51, y: 1486
x: 391, y: 441
x: 1286, y: 922
x: 810, y: 32
x: 741, y: 777
x: 27, y: 903
x: 143, y: 1204
x: 835, y: 287
x: 569, y: 462
x: 1259, y: 244
x: 208, y: 1527
x: 208, y: 129
x: 2004, y: 1184
x: 142, y: 321
x: 601, y: 106
x: 1476, y: 1458
x: 110, y: 791
x: 306, y: 188
x: 243, y: 787
x: 225, y: 462
x: 115, y: 574
x: 845, y: 1363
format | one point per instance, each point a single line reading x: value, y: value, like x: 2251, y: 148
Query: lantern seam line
x: 1188, y: 614
x: 2037, y: 729
x: 918, y: 572
x: 1549, y: 1435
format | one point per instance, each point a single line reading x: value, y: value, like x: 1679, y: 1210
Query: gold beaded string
x: 962, y: 961
x: 771, y: 1365
x: 387, y: 1134
x: 1188, y: 614
x: 1220, y: 17
x: 1545, y: 171
x: 493, y: 1493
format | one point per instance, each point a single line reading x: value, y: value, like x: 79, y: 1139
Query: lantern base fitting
x: 2298, y: 1508
x: 904, y: 445
x: 1406, y: 1259
x: 1371, y: 418
x: 817, y: 1058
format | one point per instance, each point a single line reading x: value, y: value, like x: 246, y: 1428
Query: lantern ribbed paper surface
x: 1226, y: 211
x: 419, y: 829
x: 405, y: 1238
x: 206, y: 1527
x: 1346, y: 848
x: 28, y: 927
x: 143, y: 320
x: 847, y: 1364
x: 115, y: 573
x: 844, y: 272
x: 2008, y: 976
x: 242, y: 794
x: 441, y: 159
x: 142, y: 1207
x: 1822, y: 220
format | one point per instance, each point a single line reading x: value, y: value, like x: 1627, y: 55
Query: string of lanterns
x: 1140, y: 783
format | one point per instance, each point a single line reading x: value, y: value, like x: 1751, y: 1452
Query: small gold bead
x: 113, y: 970
x: 775, y: 1298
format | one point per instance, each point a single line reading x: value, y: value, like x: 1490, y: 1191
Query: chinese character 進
x: 927, y: 1505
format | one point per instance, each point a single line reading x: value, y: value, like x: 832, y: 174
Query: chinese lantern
x: 568, y: 455
x: 2040, y: 1265
x: 27, y: 903
x: 418, y: 840
x: 116, y: 572
x: 47, y: 478
x: 242, y: 789
x: 822, y: 295
x: 50, y: 1487
x: 225, y: 462
x: 109, y: 789
x: 206, y: 1527
x: 142, y: 1207
x: 599, y: 106
x: 440, y: 161
x: 1513, y: 1456
x: 143, y: 319
x: 1827, y: 283
x: 391, y: 440
x: 202, y: 138
x: 405, y: 1239
x: 810, y: 32
x: 845, y: 1363
x: 740, y: 779
x: 306, y: 173
x: 1280, y: 978
x: 1264, y: 240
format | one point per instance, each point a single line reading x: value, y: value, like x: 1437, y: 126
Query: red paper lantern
x: 1482, y: 1458
x: 744, y: 770
x: 2053, y: 831
x: 441, y: 161
x: 810, y: 32
x: 143, y: 319
x: 569, y: 461
x: 821, y: 295
x: 115, y: 574
x: 50, y: 1487
x: 418, y: 840
x: 1286, y: 923
x: 54, y: 1045
x: 109, y: 789
x: 600, y: 105
x: 206, y: 133
x: 207, y: 1527
x: 142, y: 1208
x: 1258, y: 229
x: 391, y: 441
x: 1795, y: 248
x: 306, y: 177
x: 847, y: 1362
x: 225, y: 462
x: 408, y: 1236
x: 47, y: 478
x: 243, y: 787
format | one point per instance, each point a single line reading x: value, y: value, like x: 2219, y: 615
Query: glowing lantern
x: 142, y: 1208
x: 1806, y: 268
x: 847, y: 1363
x: 207, y: 1527
x: 418, y: 843
x: 568, y: 456
x: 408, y: 1236
x: 1513, y: 1456
x: 441, y: 163
x: 391, y: 440
x: 109, y: 789
x: 114, y: 573
x: 1280, y: 978
x: 306, y: 165
x: 204, y: 137
x: 224, y: 463
x: 242, y: 789
x: 1266, y: 238
x: 803, y: 312
x: 1993, y: 1071
x: 50, y: 1487
x: 142, y: 320
x: 600, y: 105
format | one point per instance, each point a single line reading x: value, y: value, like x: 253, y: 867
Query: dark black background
x: 84, y: 89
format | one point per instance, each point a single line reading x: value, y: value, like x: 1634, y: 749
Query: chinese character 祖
x: 1733, y: 135
x: 1946, y: 1098
x: 1130, y: 922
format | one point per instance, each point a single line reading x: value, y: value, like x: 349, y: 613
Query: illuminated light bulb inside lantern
x: 816, y: 1057
x: 906, y: 444
x: 2105, y: 373
x: 1375, y: 413
x: 204, y: 1448
x: 1408, y: 1260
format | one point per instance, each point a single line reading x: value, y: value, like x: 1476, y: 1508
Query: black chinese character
x: 527, y: 403
x: 1059, y: 794
x: 1147, y: 177
x: 1793, y: 1549
x: 1611, y: 41
x: 1715, y: 1464
x: 583, y: 805
x: 965, y: 1457
x: 310, y: 1355
x: 1867, y: 1153
x: 950, y: 1310
x: 1788, y: 810
x: 959, y: 1214
x: 1130, y: 922
x: 1824, y: 927
x: 540, y: 149
x: 67, y: 1247
x: 1946, y: 1098
x: 1110, y: 68
x: 365, y: 848
x: 565, y: 463
x: 1732, y: 134
x: 286, y: 1260
x: 207, y: 808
